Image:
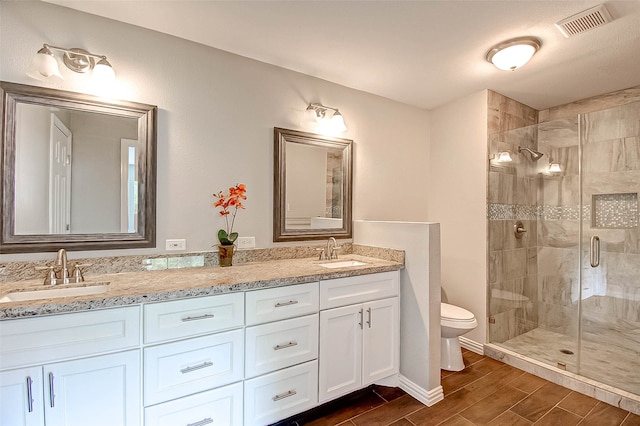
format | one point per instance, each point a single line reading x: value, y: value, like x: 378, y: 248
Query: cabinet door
x: 99, y: 391
x: 380, y: 340
x: 21, y: 397
x: 340, y: 351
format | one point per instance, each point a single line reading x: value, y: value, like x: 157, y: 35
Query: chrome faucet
x: 61, y: 261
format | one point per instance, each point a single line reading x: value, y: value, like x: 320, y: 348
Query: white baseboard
x: 427, y: 397
x: 471, y: 345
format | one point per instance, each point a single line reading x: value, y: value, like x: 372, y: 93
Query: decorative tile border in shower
x: 511, y: 212
x: 520, y: 212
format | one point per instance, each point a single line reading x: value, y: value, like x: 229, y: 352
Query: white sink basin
x: 54, y: 292
x: 342, y: 264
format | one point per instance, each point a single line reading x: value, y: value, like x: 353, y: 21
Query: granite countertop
x: 132, y: 288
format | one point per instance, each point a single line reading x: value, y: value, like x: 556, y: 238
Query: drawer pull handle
x: 199, y: 317
x: 196, y: 367
x: 202, y: 422
x: 290, y: 302
x: 52, y: 395
x: 287, y: 394
x: 369, y: 320
x: 29, y: 394
x: 285, y: 345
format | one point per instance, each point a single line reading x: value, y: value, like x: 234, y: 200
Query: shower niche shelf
x: 614, y: 211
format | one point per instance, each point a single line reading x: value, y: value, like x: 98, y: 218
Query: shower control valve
x: 518, y: 230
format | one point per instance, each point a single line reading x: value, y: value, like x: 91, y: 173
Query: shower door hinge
x: 492, y: 320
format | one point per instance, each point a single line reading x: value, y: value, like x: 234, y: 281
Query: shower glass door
x: 610, y: 254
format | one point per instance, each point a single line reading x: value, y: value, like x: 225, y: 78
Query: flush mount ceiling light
x: 329, y: 115
x: 514, y: 53
x: 77, y: 60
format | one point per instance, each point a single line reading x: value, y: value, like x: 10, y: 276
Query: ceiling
x: 424, y: 53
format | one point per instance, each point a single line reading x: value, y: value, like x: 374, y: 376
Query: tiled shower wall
x: 534, y: 281
x: 511, y: 196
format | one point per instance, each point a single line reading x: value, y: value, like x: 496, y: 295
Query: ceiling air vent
x: 584, y: 21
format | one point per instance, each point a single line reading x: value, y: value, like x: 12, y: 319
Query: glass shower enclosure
x: 564, y: 244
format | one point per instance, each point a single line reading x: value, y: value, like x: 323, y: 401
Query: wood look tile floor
x: 486, y: 392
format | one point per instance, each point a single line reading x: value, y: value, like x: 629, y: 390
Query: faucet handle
x: 52, y: 274
x: 78, y: 277
x: 322, y: 255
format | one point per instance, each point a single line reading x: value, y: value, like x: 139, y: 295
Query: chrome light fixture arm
x: 78, y: 60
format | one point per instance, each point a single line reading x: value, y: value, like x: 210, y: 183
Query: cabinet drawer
x: 358, y: 289
x: 280, y: 344
x: 217, y: 407
x: 182, y: 368
x: 278, y: 303
x: 50, y: 338
x: 192, y: 317
x: 278, y: 395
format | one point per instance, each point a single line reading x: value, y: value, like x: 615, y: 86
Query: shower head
x: 535, y: 155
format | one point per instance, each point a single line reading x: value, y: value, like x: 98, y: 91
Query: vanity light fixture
x: 77, y: 60
x: 329, y: 115
x: 514, y: 53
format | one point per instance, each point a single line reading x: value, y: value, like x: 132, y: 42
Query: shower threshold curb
x: 600, y: 391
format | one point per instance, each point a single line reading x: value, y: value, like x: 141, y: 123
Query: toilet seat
x: 452, y: 313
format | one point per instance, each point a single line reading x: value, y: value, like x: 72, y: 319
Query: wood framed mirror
x: 312, y: 186
x: 78, y: 171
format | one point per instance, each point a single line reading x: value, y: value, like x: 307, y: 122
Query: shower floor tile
x: 603, y: 361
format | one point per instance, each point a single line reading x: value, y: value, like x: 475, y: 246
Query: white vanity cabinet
x: 281, y: 369
x: 359, y: 332
x: 71, y: 369
x: 243, y: 358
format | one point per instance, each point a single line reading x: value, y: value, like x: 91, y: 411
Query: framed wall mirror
x: 78, y: 171
x: 312, y: 186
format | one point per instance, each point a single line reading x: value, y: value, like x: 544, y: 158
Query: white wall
x: 216, y: 117
x: 457, y: 200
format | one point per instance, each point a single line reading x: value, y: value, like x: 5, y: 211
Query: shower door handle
x: 594, y: 255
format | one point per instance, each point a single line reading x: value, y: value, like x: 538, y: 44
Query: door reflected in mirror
x: 312, y: 193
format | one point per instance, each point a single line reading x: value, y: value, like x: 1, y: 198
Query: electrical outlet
x: 178, y: 244
x: 246, y: 242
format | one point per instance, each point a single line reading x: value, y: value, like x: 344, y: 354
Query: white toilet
x: 454, y: 321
